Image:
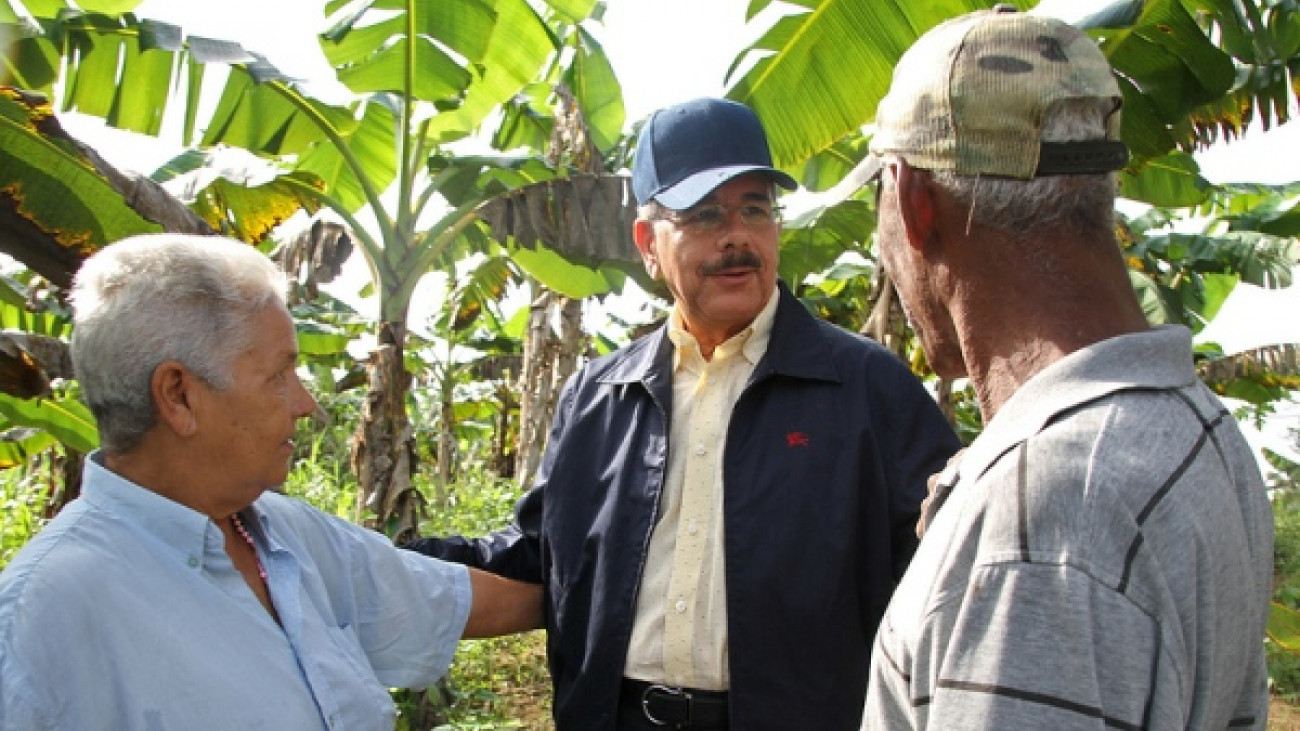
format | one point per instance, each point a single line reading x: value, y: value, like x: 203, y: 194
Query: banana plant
x: 1247, y: 235
x: 424, y: 75
x: 1192, y: 72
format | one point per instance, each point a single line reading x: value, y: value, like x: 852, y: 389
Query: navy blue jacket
x: 826, y: 459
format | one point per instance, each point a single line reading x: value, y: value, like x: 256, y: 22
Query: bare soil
x: 1283, y: 716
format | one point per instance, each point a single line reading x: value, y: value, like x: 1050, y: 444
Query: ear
x: 917, y: 205
x: 643, y: 233
x: 175, y: 396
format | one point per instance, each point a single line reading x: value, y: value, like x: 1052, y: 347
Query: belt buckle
x: 645, y: 704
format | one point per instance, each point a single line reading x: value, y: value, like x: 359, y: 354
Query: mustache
x: 743, y: 259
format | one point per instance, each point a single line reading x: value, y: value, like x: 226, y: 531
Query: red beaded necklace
x: 243, y: 533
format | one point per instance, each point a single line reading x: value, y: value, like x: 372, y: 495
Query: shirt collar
x: 179, y: 528
x: 1158, y: 358
x: 751, y: 342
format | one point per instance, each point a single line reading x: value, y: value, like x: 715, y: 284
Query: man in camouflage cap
x: 1100, y: 557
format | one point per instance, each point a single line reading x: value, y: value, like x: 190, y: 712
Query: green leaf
x: 478, y: 296
x: 45, y: 8
x: 1172, y: 181
x: 30, y: 62
x: 517, y: 326
x: 439, y: 77
x: 568, y: 279
x: 1141, y: 127
x: 140, y: 105
x: 55, y: 189
x: 67, y: 419
x: 1253, y: 392
x: 1148, y: 294
x: 17, y: 446
x: 109, y: 6
x: 93, y: 71
x: 1216, y: 290
x: 18, y: 317
x: 1178, y: 66
x: 271, y: 118
x: 526, y: 121
x: 1270, y: 209
x: 821, y: 73
x: 519, y: 45
x: 373, y: 143
x: 814, y: 241
x: 594, y: 83
x: 828, y: 167
x: 1284, y: 626
x: 107, y: 49
x: 250, y: 213
x: 1167, y: 62
x: 573, y: 11
x: 316, y: 339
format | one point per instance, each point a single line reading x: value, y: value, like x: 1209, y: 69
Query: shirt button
x: 700, y: 450
x: 692, y: 528
x: 680, y: 606
x: 193, y: 562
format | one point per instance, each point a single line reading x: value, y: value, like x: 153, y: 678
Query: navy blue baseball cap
x: 686, y: 151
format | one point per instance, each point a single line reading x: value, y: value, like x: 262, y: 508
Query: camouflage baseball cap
x: 971, y: 94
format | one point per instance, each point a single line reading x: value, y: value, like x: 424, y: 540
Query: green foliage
x: 1283, y: 671
x: 23, y: 494
x: 1286, y: 548
x: 321, y: 474
x: 841, y: 294
x: 35, y: 166
x: 490, y: 679
x: 1284, y: 661
x: 488, y: 674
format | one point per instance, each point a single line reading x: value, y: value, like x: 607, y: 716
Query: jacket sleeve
x: 515, y: 550
x: 920, y: 442
x: 507, y: 552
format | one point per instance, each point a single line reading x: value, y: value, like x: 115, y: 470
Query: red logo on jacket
x: 796, y: 439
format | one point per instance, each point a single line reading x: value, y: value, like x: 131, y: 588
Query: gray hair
x: 1082, y: 202
x: 153, y: 298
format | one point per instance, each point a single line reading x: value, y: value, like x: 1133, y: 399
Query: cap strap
x: 1083, y: 157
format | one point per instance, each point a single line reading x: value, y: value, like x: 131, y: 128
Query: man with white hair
x: 1101, y: 555
x: 179, y: 590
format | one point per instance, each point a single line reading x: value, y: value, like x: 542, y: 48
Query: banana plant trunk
x: 887, y: 325
x: 383, y: 449
x: 549, y: 359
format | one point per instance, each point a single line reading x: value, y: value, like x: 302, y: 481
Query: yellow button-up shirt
x: 679, y: 633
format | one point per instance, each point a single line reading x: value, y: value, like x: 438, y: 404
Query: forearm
x: 502, y: 606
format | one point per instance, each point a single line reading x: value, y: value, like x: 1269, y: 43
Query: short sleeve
x: 1028, y: 648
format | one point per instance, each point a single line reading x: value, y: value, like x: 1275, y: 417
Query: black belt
x: 678, y: 708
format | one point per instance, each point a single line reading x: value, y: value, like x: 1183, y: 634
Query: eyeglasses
x: 713, y: 216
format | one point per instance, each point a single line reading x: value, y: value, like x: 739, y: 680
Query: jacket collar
x: 798, y: 349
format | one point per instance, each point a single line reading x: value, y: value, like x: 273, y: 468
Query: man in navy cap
x: 725, y: 505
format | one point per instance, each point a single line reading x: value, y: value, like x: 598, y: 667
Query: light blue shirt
x: 126, y: 613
